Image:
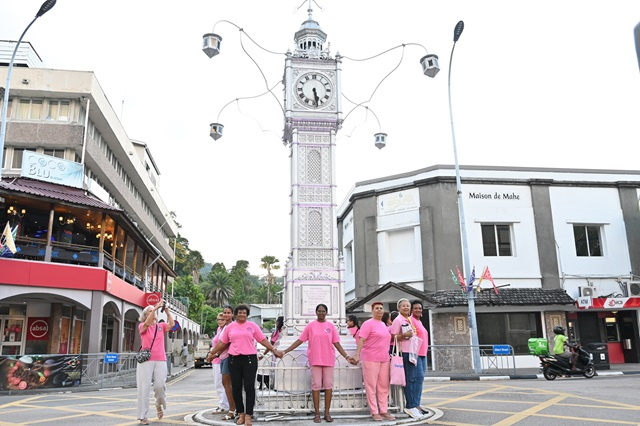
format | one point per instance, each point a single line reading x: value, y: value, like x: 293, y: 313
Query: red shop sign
x: 38, y: 328
x: 152, y: 298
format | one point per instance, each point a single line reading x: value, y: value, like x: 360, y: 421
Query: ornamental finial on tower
x: 310, y: 39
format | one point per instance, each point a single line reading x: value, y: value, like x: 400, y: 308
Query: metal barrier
x: 458, y: 359
x: 284, y: 386
x: 96, y: 372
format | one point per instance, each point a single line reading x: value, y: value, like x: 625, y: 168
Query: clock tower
x: 313, y: 116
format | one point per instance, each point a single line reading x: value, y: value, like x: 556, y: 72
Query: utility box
x: 600, y: 354
x: 538, y: 346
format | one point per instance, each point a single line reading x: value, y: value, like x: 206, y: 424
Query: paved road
x: 602, y: 400
x: 576, y: 401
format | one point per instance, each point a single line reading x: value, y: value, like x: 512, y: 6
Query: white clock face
x: 314, y: 90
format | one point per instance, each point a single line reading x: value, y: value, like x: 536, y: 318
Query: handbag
x: 397, y: 365
x: 144, y: 355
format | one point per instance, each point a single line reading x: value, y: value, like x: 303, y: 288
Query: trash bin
x: 600, y: 354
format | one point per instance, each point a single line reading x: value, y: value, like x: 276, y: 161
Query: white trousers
x: 145, y: 372
x: 217, y: 385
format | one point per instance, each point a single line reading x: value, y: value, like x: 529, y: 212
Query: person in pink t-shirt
x: 240, y: 337
x: 152, y: 337
x: 322, y: 337
x: 404, y: 328
x: 373, y: 353
x: 416, y: 318
x: 353, y: 325
x: 223, y: 402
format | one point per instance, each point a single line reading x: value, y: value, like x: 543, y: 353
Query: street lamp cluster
x: 211, y: 43
x: 430, y: 68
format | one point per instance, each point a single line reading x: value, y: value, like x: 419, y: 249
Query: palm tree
x: 269, y: 263
x: 193, y: 263
x: 240, y: 274
x: 221, y: 290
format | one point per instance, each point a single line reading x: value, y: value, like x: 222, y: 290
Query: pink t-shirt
x: 157, y: 350
x: 321, y: 337
x: 242, y: 337
x: 224, y: 354
x: 423, y: 334
x: 355, y: 332
x: 214, y: 342
x: 397, y: 328
x: 376, y: 341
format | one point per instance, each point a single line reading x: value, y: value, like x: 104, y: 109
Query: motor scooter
x: 554, y: 366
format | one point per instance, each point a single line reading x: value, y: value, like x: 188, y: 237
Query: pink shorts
x: 321, y: 377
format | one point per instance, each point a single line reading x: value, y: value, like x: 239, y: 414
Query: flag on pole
x: 480, y: 280
x: 461, y: 278
x: 8, y: 239
x: 455, y: 280
x: 487, y: 275
x: 472, y: 278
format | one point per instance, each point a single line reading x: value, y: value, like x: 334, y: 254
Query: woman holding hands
x: 322, y: 337
x: 240, y: 337
x: 373, y: 353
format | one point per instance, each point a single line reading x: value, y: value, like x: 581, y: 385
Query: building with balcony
x: 92, y: 233
x: 561, y: 246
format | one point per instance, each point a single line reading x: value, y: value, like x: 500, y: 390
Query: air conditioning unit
x: 588, y: 291
x: 633, y: 288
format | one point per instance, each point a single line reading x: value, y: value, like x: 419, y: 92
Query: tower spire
x: 310, y: 38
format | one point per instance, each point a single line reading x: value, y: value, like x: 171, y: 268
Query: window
x: 513, y: 329
x: 58, y: 153
x: 30, y: 109
x: 59, y: 110
x: 9, y: 104
x: 587, y: 239
x: 16, y: 163
x: 496, y: 240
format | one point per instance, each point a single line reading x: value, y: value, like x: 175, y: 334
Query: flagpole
x: 473, y: 329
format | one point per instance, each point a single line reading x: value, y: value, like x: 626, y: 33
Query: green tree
x: 183, y: 286
x: 193, y: 264
x: 220, y: 288
x: 208, y: 316
x: 269, y: 263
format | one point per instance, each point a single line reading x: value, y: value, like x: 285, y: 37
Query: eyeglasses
x: 220, y: 319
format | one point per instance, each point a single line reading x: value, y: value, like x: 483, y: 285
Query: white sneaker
x: 419, y: 413
x: 413, y: 412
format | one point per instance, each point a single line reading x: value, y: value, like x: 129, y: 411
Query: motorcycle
x: 554, y: 366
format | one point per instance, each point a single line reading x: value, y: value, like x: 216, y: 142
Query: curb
x: 199, y: 418
x: 475, y: 377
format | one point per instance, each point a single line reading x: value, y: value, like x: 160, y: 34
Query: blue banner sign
x: 501, y: 349
x: 110, y: 358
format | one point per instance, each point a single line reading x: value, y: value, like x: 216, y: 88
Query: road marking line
x: 471, y: 395
x: 530, y: 411
x: 19, y: 402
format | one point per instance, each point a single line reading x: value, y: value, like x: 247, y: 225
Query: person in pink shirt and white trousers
x: 322, y: 337
x: 373, y: 354
x: 155, y: 369
x: 223, y: 402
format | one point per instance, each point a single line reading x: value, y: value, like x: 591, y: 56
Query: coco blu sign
x: 51, y: 169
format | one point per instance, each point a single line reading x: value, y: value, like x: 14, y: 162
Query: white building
x: 550, y: 238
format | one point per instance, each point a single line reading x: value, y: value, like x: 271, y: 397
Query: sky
x: 536, y: 84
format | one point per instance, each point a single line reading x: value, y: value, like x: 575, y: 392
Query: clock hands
x: 316, y: 98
